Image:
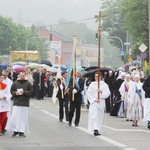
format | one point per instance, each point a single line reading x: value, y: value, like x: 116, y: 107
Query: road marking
x: 36, y: 106
x: 126, y: 130
x: 104, y: 138
x: 129, y: 149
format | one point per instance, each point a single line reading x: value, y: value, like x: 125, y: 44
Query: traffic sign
x: 143, y: 55
x: 142, y: 47
x: 130, y: 59
x: 122, y: 53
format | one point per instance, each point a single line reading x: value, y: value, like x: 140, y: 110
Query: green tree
x: 15, y: 36
x: 135, y: 14
x: 113, y: 21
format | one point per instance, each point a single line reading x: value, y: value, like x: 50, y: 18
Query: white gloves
x: 61, y: 86
x: 74, y: 91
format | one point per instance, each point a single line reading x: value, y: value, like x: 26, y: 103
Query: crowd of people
x: 122, y: 94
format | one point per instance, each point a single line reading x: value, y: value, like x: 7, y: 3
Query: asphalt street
x: 45, y: 132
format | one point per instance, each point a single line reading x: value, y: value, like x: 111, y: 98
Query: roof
x: 62, y: 37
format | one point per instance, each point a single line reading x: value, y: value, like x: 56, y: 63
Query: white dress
x: 96, y: 110
x: 125, y: 109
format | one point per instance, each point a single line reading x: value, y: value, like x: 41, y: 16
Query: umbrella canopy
x: 61, y: 67
x: 51, y: 69
x: 90, y: 73
x: 18, y: 68
x: 46, y: 62
x: 33, y: 65
x: 48, y: 68
x: 91, y: 68
x: 3, y: 66
x: 78, y: 68
x: 19, y: 63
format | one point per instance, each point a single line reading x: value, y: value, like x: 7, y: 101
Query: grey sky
x: 46, y: 12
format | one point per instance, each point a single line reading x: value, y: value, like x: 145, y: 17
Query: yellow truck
x: 24, y: 56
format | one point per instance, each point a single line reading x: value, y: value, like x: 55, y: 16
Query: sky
x: 46, y: 12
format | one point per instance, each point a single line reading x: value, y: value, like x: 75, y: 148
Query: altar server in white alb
x: 9, y: 84
x: 97, y: 106
x: 146, y: 88
x: 4, y: 104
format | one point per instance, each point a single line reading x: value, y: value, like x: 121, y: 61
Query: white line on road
x: 106, y: 139
x: 126, y: 130
x: 129, y: 149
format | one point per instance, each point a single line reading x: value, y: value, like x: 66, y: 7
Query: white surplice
x: 9, y: 84
x: 96, y: 110
x: 4, y: 104
x: 146, y: 106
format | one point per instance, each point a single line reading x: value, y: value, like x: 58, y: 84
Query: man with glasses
x: 97, y: 105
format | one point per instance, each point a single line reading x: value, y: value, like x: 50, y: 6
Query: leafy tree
x: 113, y: 21
x: 130, y: 16
x: 15, y: 36
x: 136, y: 22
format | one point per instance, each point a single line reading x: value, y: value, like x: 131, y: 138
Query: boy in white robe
x: 4, y: 104
x: 9, y: 84
x: 97, y: 105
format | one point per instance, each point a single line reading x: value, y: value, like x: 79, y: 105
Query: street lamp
x: 116, y: 37
x: 36, y: 37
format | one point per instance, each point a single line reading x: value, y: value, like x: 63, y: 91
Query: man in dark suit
x: 62, y: 96
x: 76, y: 97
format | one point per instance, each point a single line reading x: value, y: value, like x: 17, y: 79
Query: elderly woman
x: 136, y: 103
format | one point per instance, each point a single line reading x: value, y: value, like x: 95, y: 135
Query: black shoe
x: 96, y: 133
x: 14, y: 134
x: 4, y: 131
x: 69, y: 123
x: 21, y: 134
x: 76, y: 124
x: 148, y: 125
x: 60, y: 120
x: 67, y: 119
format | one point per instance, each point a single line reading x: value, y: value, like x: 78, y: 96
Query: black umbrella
x: 91, y: 73
x: 46, y: 62
x: 91, y: 68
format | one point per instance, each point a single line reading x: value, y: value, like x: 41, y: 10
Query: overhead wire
x: 67, y: 22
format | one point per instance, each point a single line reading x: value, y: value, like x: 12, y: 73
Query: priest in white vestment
x: 97, y: 106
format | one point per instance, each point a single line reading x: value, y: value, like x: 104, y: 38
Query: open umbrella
x: 48, y: 68
x: 18, y: 68
x: 91, y: 68
x: 61, y: 67
x: 33, y: 65
x: 20, y: 63
x: 90, y: 73
x: 46, y: 62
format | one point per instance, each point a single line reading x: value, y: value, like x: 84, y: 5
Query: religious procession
x: 100, y: 90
